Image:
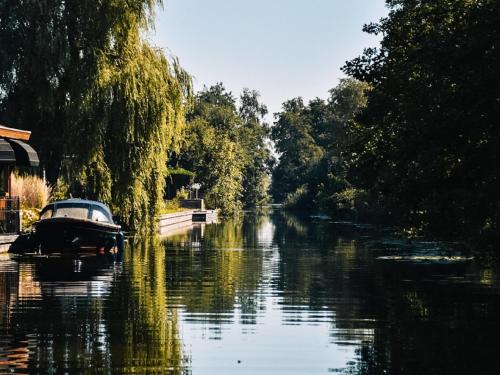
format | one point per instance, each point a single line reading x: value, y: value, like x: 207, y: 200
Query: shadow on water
x: 269, y: 293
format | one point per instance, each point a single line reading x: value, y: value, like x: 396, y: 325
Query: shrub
x: 298, y: 199
x: 182, y: 194
x: 33, y: 192
x: 170, y: 206
x: 174, y: 205
x: 350, y: 200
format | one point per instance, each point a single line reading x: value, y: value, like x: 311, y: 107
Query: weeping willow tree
x: 124, y: 162
x: 99, y: 99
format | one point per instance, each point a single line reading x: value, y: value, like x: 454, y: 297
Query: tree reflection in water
x: 225, y: 271
x: 413, y: 317
x: 401, y: 317
x: 91, y: 315
x: 145, y: 339
x: 327, y: 297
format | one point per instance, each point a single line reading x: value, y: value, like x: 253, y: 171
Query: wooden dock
x: 178, y: 220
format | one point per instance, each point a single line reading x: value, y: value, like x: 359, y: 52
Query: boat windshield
x: 99, y: 214
x: 46, y: 214
x: 73, y: 210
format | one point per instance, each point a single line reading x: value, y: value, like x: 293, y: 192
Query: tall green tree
x: 95, y: 94
x: 254, y: 139
x: 315, y: 143
x: 211, y: 148
x: 227, y: 148
x: 430, y: 141
x: 299, y: 153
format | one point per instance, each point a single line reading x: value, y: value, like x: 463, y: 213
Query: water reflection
x: 52, y: 313
x: 271, y: 293
x: 283, y: 294
x: 88, y: 314
x: 145, y: 337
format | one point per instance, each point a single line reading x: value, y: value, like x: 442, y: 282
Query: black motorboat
x: 75, y: 224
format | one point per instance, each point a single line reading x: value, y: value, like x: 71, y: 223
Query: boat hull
x: 65, y: 233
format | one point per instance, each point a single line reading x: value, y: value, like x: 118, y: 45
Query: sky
x: 281, y: 48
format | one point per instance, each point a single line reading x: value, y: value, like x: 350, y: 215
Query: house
x: 15, y: 153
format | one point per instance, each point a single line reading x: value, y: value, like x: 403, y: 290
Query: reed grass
x: 33, y: 191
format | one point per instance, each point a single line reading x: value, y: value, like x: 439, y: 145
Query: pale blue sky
x: 282, y: 48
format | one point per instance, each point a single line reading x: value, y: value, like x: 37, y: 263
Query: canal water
x: 269, y: 293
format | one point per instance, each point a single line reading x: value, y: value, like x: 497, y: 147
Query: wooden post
x: 9, y: 182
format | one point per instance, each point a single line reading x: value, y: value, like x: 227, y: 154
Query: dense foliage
x: 415, y: 134
x: 431, y: 141
x: 254, y: 136
x: 314, y: 142
x: 99, y: 99
x: 226, y: 147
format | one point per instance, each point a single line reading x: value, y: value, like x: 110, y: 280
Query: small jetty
x: 184, y: 219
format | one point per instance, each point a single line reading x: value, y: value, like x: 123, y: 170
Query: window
x: 99, y: 215
x: 78, y: 212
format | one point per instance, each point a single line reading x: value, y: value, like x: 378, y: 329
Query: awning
x: 19, y: 153
x: 26, y: 156
x: 7, y: 155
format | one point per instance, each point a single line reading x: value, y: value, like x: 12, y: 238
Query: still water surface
x: 267, y: 294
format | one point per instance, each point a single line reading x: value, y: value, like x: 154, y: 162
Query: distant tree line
x: 314, y: 143
x: 422, y: 148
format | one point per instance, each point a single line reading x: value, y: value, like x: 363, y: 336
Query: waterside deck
x: 178, y: 220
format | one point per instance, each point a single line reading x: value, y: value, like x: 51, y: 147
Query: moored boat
x: 76, y: 224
